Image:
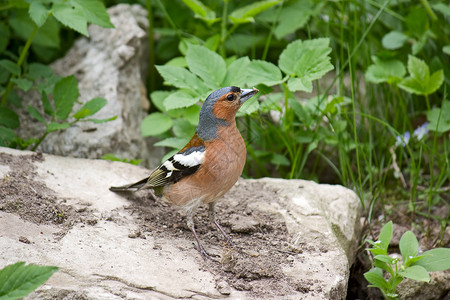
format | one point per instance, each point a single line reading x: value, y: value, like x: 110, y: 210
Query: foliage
x: 38, y: 23
x: 18, y: 280
x: 412, y: 265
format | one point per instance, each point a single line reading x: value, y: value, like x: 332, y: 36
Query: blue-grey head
x: 220, y: 109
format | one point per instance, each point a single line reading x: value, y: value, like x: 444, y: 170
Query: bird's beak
x: 247, y: 94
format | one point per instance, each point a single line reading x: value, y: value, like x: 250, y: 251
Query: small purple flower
x: 421, y: 131
x: 403, y: 140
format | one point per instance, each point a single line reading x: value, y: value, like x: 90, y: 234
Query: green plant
x: 38, y: 23
x: 389, y: 271
x: 18, y: 280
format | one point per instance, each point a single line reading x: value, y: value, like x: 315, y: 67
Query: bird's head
x: 220, y: 109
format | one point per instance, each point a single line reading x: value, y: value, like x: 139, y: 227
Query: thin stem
x: 429, y: 10
x: 272, y: 28
x: 22, y: 56
x: 428, y: 102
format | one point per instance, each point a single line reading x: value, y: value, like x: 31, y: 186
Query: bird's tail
x: 133, y: 187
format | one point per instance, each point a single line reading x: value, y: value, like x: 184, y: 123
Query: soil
x: 253, y: 265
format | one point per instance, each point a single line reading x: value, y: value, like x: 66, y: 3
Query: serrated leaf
x: 394, y: 40
x: 9, y: 118
x: 390, y: 71
x: 90, y: 108
x: 38, y: 13
x: 375, y: 277
x: 155, y: 124
x: 264, y: 72
x: 246, y: 13
x: 418, y: 69
x: 18, y: 280
x: 237, y: 72
x: 179, y: 61
x: 415, y: 272
x: 408, y: 245
x: 94, y: 11
x: 435, y: 81
x: 10, y: 66
x: 35, y: 113
x: 23, y: 83
x: 54, y: 126
x: 435, y: 260
x: 420, y: 82
x: 65, y: 94
x: 207, y: 64
x: 182, y: 78
x: 71, y: 16
x: 179, y: 99
x: 439, y: 121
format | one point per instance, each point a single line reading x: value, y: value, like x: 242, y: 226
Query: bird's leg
x: 212, y: 217
x: 190, y: 224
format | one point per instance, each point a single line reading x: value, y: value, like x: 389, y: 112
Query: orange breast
x: 221, y: 168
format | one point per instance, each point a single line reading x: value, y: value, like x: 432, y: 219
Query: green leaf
x: 48, y: 108
x: 415, y: 272
x: 445, y: 49
x: 437, y: 259
x: 94, y: 12
x: 260, y: 71
x: 71, y: 16
x: 394, y: 40
x: 46, y: 36
x: 202, y: 11
x: 4, y: 37
x: 417, y: 21
x: 300, y: 84
x: 180, y: 99
x: 439, y: 121
x: 38, y: 13
x: 54, y: 126
x: 294, y: 17
x: 420, y: 82
x: 390, y: 71
x: 385, y: 236
x: 65, y: 94
x: 173, y: 142
x: 384, y: 258
x: 100, y: 121
x: 35, y: 113
x: 237, y: 72
x: 9, y: 118
x: 179, y: 61
x: 207, y: 64
x: 183, y: 128
x: 212, y: 43
x: 375, y: 277
x: 182, y: 78
x: 249, y: 107
x: 442, y: 7
x: 23, y: 83
x: 279, y: 160
x: 7, y: 136
x: 191, y: 114
x: 155, y: 124
x: 18, y: 280
x: 408, y: 246
x: 90, y: 108
x: 37, y: 70
x: 10, y: 66
x: 246, y: 13
x: 158, y: 98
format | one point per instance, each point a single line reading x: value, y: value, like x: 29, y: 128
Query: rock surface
x: 112, y: 64
x: 295, y: 239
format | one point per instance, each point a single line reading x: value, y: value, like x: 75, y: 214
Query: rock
x: 303, y: 243
x: 111, y: 63
x: 437, y: 288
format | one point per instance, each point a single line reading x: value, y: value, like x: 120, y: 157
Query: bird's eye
x: 231, y: 97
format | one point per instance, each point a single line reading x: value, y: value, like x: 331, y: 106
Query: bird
x: 208, y: 166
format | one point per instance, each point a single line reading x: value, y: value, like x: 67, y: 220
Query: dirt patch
x: 262, y: 248
x: 32, y: 200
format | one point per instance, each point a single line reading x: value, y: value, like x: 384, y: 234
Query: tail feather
x: 129, y: 187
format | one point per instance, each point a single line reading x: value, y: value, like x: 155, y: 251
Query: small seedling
x: 388, y: 272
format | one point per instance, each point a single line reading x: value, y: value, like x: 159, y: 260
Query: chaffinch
x: 209, y: 165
